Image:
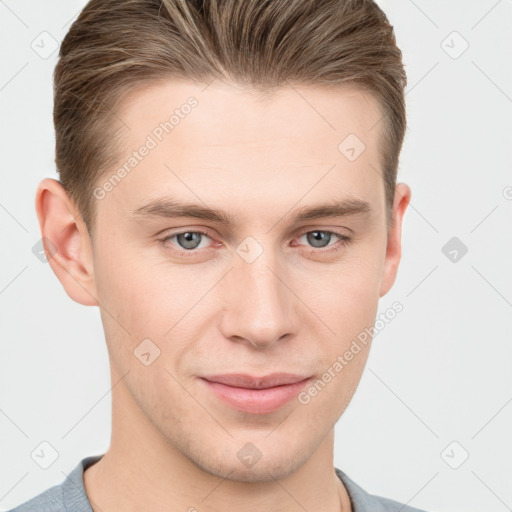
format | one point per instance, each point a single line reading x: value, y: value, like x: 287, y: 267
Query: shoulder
x: 363, y: 501
x: 51, y: 500
x: 65, y: 497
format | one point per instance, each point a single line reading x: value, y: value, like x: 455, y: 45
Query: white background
x: 440, y: 372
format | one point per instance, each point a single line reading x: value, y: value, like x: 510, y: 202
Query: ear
x: 394, y: 244
x: 66, y: 241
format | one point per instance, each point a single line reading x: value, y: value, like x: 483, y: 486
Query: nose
x: 260, y: 309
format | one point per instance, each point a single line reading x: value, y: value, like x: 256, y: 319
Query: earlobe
x: 66, y: 241
x: 394, y: 243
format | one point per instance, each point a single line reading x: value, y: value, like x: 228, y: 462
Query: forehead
x: 204, y: 139
x: 288, y: 111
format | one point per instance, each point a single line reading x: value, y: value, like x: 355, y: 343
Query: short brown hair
x: 116, y: 46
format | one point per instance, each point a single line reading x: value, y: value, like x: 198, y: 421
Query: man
x: 228, y: 200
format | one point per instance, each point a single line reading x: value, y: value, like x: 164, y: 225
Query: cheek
x: 348, y: 307
x: 137, y: 291
x: 148, y: 300
x: 349, y: 294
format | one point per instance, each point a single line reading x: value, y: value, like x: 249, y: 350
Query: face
x: 236, y: 260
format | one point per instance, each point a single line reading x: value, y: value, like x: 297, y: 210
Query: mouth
x: 256, y: 395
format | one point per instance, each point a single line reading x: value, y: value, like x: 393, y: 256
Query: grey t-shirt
x: 69, y: 496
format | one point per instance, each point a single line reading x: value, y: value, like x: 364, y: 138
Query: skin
x: 295, y: 308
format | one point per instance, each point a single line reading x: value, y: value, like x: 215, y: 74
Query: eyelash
x: 344, y: 241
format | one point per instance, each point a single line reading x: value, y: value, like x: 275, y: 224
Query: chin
x: 262, y: 471
x: 271, y: 465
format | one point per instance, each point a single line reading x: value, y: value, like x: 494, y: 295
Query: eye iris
x: 316, y: 238
x: 189, y: 240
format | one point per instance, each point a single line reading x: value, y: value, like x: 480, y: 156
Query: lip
x: 256, y: 394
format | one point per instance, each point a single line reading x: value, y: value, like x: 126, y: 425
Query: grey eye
x: 189, y: 239
x: 319, y: 238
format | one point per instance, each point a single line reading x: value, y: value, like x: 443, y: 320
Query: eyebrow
x: 168, y: 208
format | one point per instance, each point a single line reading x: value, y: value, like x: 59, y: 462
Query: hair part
x: 117, y: 46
